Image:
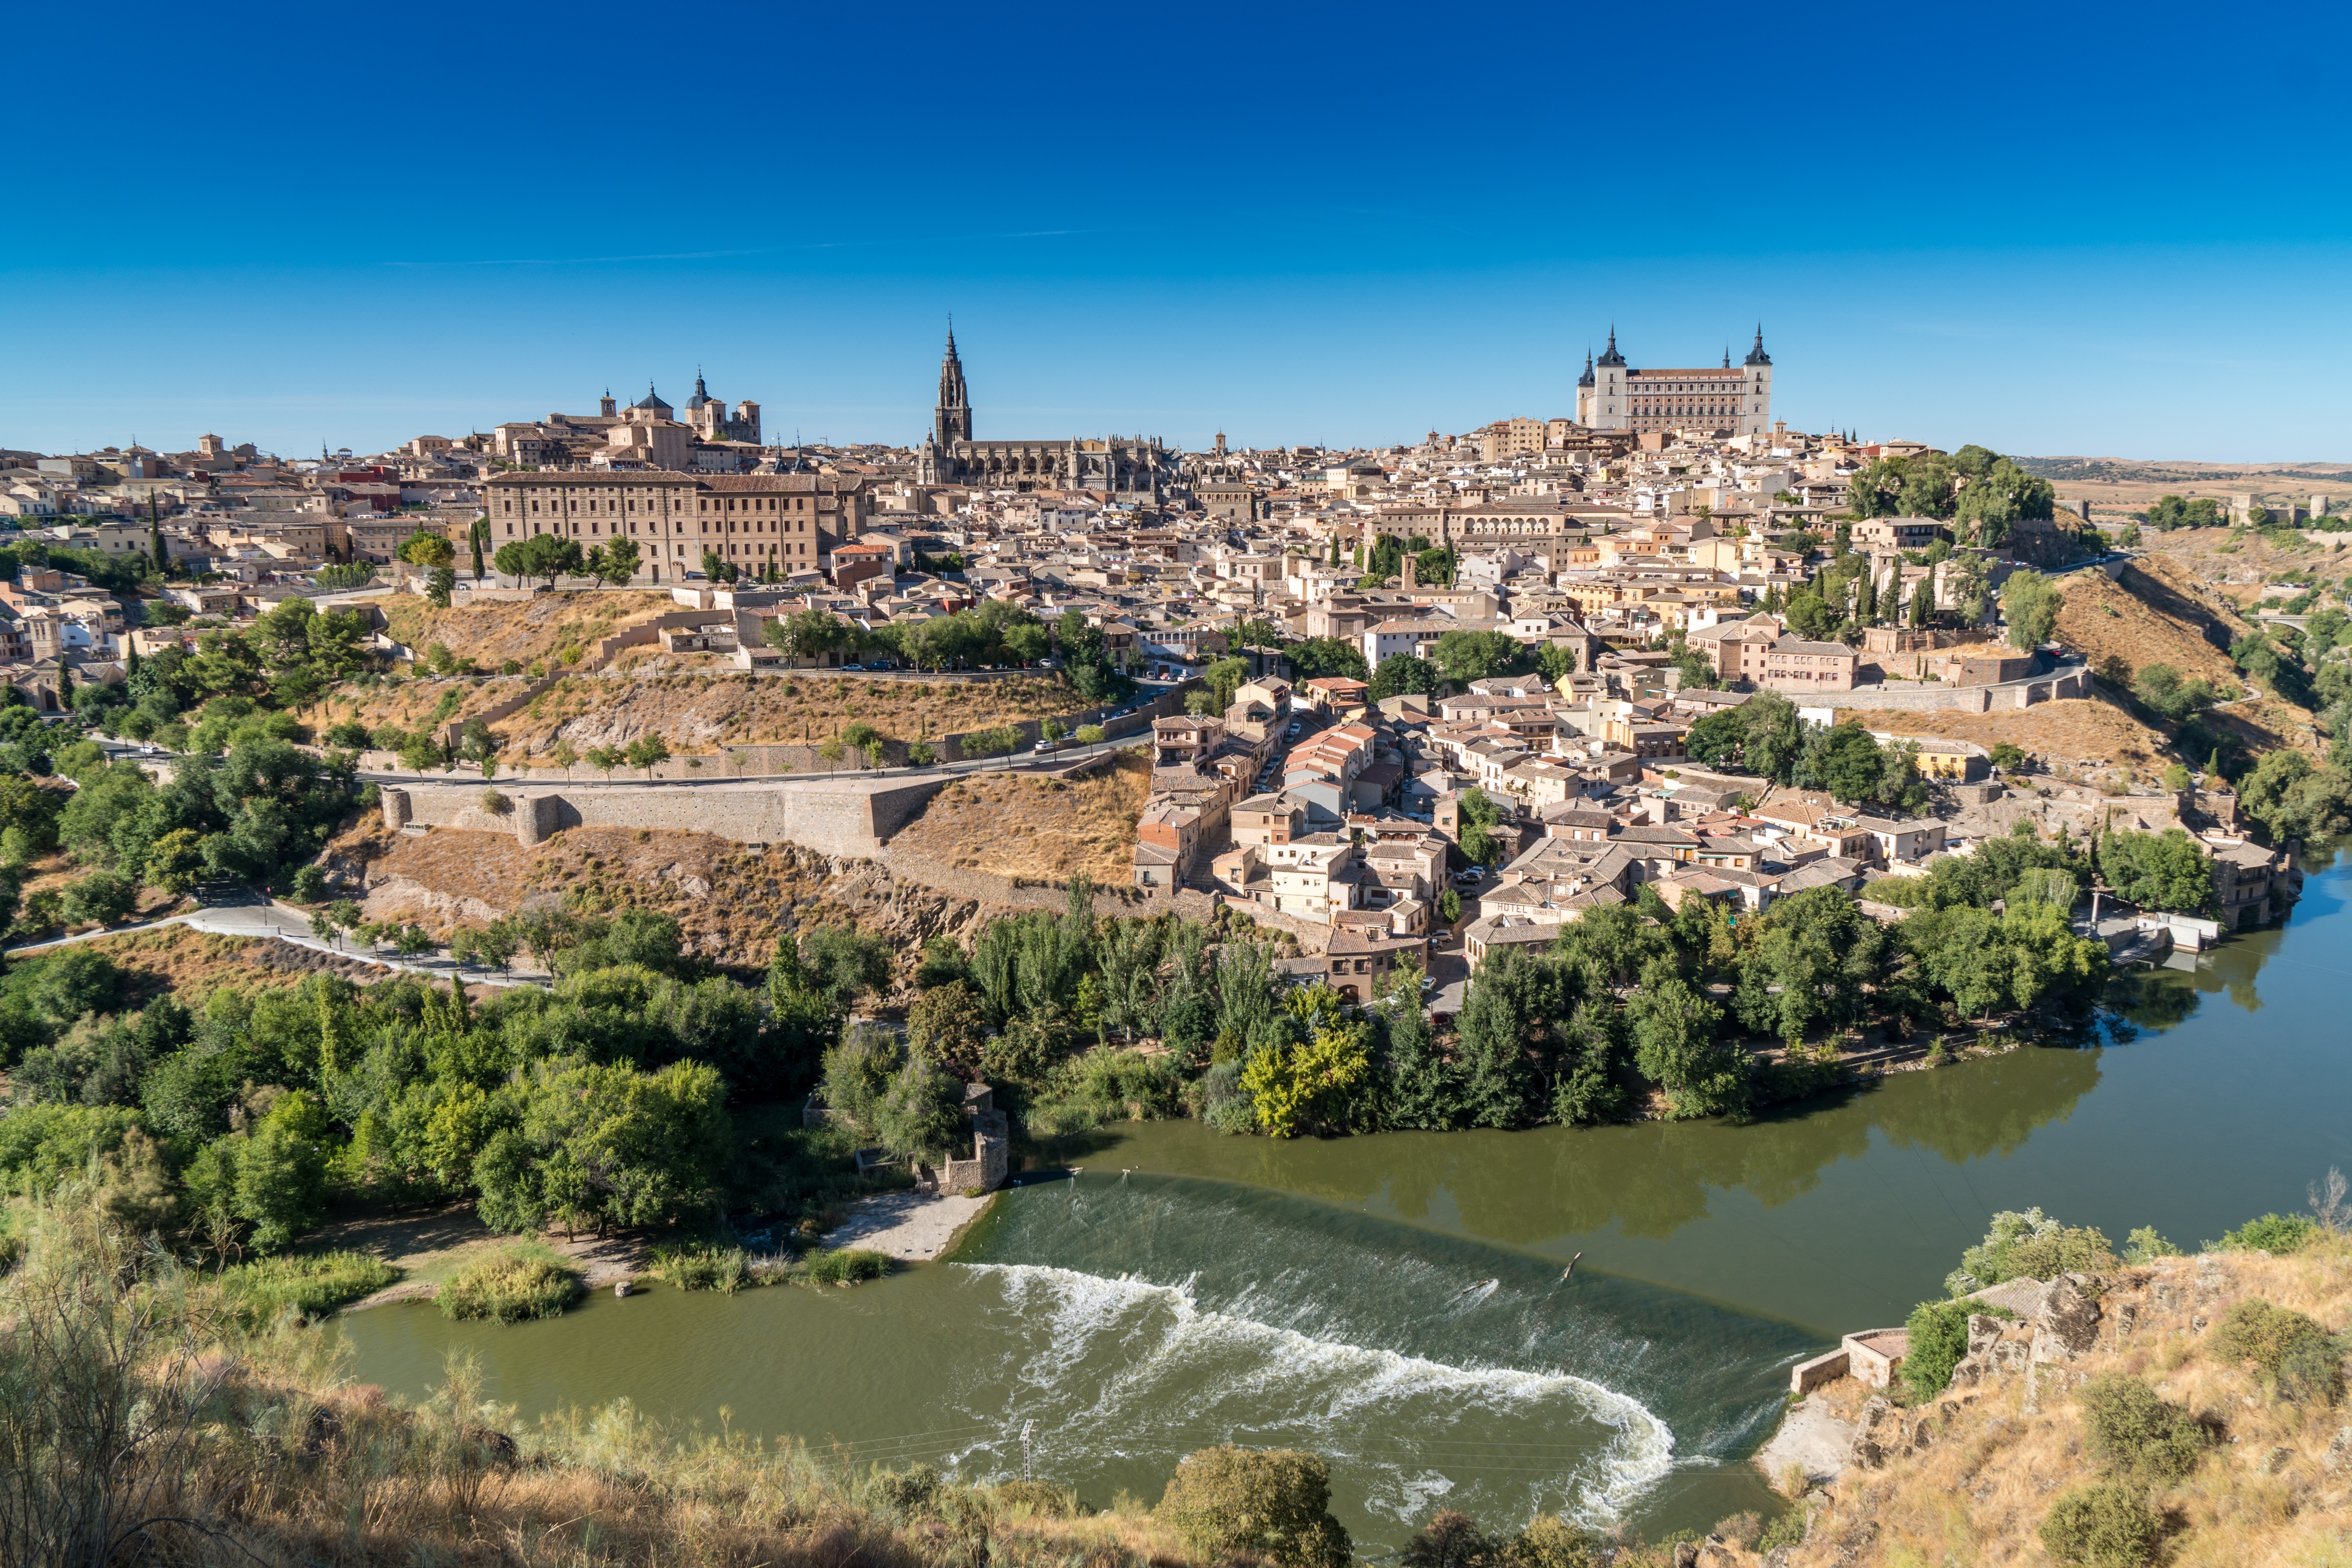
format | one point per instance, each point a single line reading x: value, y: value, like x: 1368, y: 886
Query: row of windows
x: 787, y: 547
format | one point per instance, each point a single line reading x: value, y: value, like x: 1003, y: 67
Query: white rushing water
x: 1137, y: 1368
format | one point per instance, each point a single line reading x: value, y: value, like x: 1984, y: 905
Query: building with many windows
x: 790, y: 522
x: 1736, y: 400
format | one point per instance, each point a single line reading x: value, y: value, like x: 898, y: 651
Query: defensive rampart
x: 850, y: 816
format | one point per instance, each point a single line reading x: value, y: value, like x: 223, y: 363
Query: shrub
x: 1789, y: 1529
x: 2101, y: 1527
x: 2137, y: 1436
x: 1272, y: 1502
x: 510, y: 1287
x: 2029, y: 1246
x: 845, y: 1266
x: 725, y: 1269
x: 1939, y: 1338
x: 2276, y: 1234
x: 1550, y: 1541
x: 1742, y: 1529
x: 1451, y: 1540
x: 1034, y: 1499
x: 2305, y: 1361
x: 2144, y: 1246
x: 314, y: 1286
x: 496, y: 802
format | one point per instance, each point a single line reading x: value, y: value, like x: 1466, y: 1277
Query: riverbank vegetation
x: 648, y: 1090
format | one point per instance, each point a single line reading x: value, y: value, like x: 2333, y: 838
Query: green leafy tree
x: 281, y: 1170
x: 1498, y: 1075
x: 2166, y: 870
x: 2292, y: 799
x: 1403, y: 674
x: 616, y: 562
x: 1675, y: 1042
x: 427, y: 549
x: 1814, y: 954
x: 2030, y: 602
x: 646, y: 753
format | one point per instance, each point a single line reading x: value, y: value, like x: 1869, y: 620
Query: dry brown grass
x: 698, y: 712
x: 2158, y: 614
x: 489, y: 635
x: 1017, y: 825
x: 729, y: 903
x: 178, y: 959
x: 2079, y: 731
x: 411, y: 704
x: 2269, y: 1491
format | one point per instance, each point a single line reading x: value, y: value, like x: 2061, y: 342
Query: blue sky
x: 2048, y: 230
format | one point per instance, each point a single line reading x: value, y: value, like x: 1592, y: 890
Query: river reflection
x: 1847, y: 1209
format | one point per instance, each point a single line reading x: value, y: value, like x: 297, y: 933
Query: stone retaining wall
x: 2071, y: 682
x: 850, y: 821
x: 1122, y: 901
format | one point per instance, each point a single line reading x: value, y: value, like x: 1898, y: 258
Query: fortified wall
x: 2075, y: 681
x: 848, y: 817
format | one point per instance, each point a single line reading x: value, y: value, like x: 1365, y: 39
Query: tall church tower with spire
x: 952, y: 420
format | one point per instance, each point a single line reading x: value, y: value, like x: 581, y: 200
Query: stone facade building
x: 1138, y: 467
x: 793, y: 521
x: 1612, y: 396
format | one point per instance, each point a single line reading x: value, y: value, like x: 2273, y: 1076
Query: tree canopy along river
x: 1396, y: 1302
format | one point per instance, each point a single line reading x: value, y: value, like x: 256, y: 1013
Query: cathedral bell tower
x: 952, y: 420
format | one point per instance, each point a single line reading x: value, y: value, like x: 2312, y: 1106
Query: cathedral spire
x: 951, y: 419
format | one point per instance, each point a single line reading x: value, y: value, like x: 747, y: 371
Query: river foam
x: 1133, y: 1364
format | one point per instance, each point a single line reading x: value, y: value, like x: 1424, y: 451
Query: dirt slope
x: 489, y: 635
x: 2084, y: 733
x: 2273, y: 1486
x: 1047, y: 829
x: 702, y: 713
x: 731, y: 902
x: 2159, y: 614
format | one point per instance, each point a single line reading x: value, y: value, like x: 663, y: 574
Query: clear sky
x: 2046, y: 228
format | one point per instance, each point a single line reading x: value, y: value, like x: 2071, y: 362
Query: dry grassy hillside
x: 545, y: 626
x: 1018, y: 824
x: 413, y: 704
x: 2236, y: 566
x: 2158, y: 613
x: 703, y: 712
x: 2083, y: 732
x: 729, y: 901
x: 2265, y: 1478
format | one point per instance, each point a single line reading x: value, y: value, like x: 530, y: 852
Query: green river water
x: 1396, y: 1302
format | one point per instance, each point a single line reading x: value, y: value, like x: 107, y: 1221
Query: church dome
x: 651, y: 402
x: 701, y: 398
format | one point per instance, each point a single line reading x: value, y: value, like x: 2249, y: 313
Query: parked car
x: 1042, y: 746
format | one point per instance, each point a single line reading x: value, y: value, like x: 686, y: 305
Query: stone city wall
x: 2071, y: 682
x: 848, y: 821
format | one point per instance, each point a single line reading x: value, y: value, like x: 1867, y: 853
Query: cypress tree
x: 1921, y: 597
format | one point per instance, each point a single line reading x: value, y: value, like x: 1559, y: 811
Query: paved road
x: 255, y: 916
